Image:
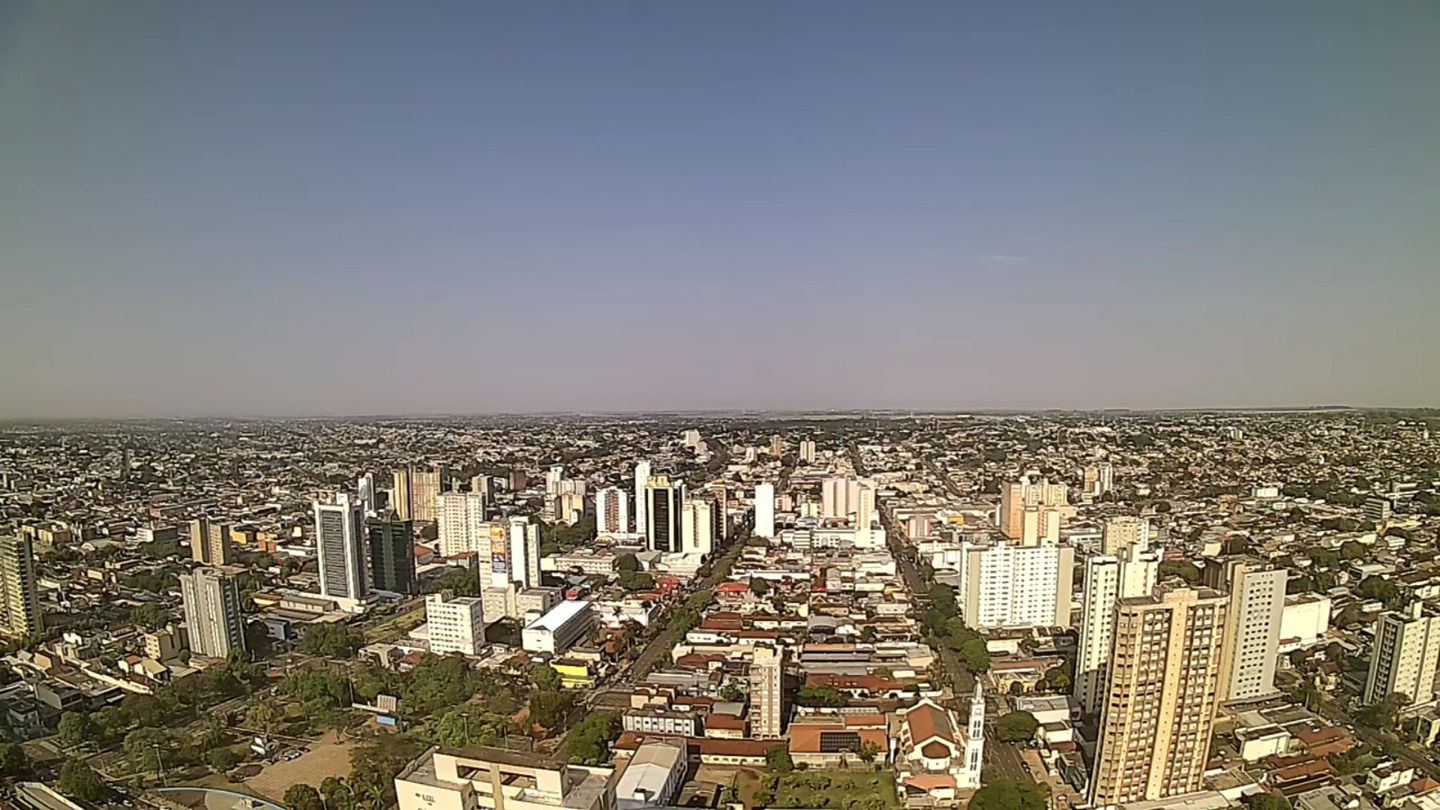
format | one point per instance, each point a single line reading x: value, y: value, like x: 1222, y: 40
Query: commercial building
x: 1252, y: 626
x: 1107, y: 579
x: 22, y: 616
x: 765, y: 510
x: 663, y: 501
x: 642, y: 506
x: 456, y: 623
x: 1016, y: 586
x: 339, y: 545
x: 839, y: 497
x: 425, y: 488
x: 213, y: 620
x: 480, y: 778
x: 697, y: 526
x: 460, y: 523
x: 653, y: 776
x: 1407, y: 646
x: 767, y: 692
x: 656, y: 720
x: 210, y: 543
x: 1159, y: 712
x: 569, y: 623
x: 612, y: 511
x: 400, y: 495
x: 392, y: 553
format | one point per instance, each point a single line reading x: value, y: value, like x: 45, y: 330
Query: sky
x: 331, y: 208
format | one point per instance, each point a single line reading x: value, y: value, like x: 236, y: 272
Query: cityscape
x: 728, y: 405
x: 1198, y: 610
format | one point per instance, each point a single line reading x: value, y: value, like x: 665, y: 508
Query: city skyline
x: 656, y: 207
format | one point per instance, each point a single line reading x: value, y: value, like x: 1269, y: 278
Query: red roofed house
x: 837, y: 740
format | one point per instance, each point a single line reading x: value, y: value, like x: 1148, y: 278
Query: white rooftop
x: 559, y: 615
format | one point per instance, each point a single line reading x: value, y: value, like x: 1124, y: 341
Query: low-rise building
x: 478, y: 777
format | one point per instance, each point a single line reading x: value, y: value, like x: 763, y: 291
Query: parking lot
x: 326, y: 757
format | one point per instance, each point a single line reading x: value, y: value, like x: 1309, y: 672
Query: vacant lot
x: 828, y: 789
x: 328, y: 757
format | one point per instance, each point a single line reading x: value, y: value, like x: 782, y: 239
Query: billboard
x: 499, y: 552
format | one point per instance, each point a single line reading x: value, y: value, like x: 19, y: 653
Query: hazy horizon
x: 332, y: 209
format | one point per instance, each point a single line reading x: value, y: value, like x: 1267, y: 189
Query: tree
x: 868, y: 751
x: 374, y: 764
x: 469, y: 725
x: 627, y: 563
x: 77, y: 729
x: 1353, y: 550
x: 303, y: 797
x: 13, y: 762
x: 1373, y: 587
x: 142, y: 710
x: 975, y: 656
x: 636, y: 580
x: 1267, y: 801
x: 1162, y: 508
x: 149, y: 615
x: 820, y: 696
x: 589, y: 742
x: 1003, y: 794
x: 335, y: 794
x: 1016, y: 727
x: 148, y: 748
x: 221, y: 758
x: 459, y: 581
x: 759, y: 586
x: 549, y: 709
x: 545, y: 678
x: 264, y: 717
x: 778, y: 759
x: 1325, y: 558
x: 79, y: 781
x: 1183, y: 569
x: 332, y: 641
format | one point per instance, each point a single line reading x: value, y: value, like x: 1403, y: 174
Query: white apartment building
x: 1407, y: 646
x: 839, y: 497
x: 456, y: 623
x: 461, y: 523
x: 765, y: 510
x: 1106, y: 580
x: 340, y: 547
x: 211, y: 604
x: 1016, y: 586
x: 1252, y: 627
x: 697, y: 526
x: 612, y: 511
x: 642, y: 477
x: 1123, y: 532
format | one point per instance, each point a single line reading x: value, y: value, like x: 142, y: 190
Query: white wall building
x: 765, y: 510
x: 1304, y: 622
x: 212, y: 613
x: 340, y: 547
x: 1252, y: 631
x: 697, y: 526
x: 569, y: 623
x: 461, y: 523
x: 1407, y: 647
x: 642, y: 477
x: 1016, y: 586
x: 839, y: 497
x: 455, y: 623
x: 1106, y: 580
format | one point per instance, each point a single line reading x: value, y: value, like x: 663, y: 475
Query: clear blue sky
x: 356, y: 207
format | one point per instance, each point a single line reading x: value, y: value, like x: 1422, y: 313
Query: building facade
x: 765, y: 510
x: 697, y: 526
x: 663, y: 526
x: 1107, y: 580
x: 1016, y: 586
x: 213, y: 620
x: 22, y: 616
x: 1252, y: 626
x: 339, y: 545
x: 1159, y: 710
x: 392, y: 553
x: 1407, y: 646
x: 456, y: 623
x: 767, y: 692
x: 612, y: 511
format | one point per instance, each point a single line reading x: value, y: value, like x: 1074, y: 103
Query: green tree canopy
x: 778, y: 760
x: 1183, y: 569
x: 1003, y: 794
x: 627, y: 562
x: 589, y: 742
x: 79, y: 781
x: 77, y: 729
x: 821, y: 696
x: 545, y: 678
x: 332, y: 641
x: 303, y: 797
x: 1016, y: 727
x: 14, y: 764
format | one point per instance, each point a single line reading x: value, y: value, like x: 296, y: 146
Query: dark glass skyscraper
x: 392, y: 554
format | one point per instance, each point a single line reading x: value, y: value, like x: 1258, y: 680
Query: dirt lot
x: 328, y: 757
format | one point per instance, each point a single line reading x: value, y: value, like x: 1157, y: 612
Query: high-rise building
x: 1252, y: 625
x: 1160, y: 706
x: 721, y: 493
x: 210, y: 542
x: 1407, y: 647
x: 1378, y: 510
x: 777, y: 446
x: 642, y: 504
x: 1031, y: 512
x: 400, y: 494
x: 456, y: 623
x: 697, y: 526
x: 1015, y: 586
x: 1123, y: 532
x: 767, y: 692
x: 461, y: 524
x: 1106, y: 477
x: 864, y: 513
x: 839, y: 497
x: 807, y: 451
x: 392, y: 553
x: 553, y: 477
x: 765, y: 510
x: 515, y: 555
x: 1107, y: 579
x: 213, y: 622
x: 612, y: 511
x: 484, y: 485
x: 691, y: 437
x: 339, y: 544
x: 365, y: 486
x: 425, y: 488
x: 663, y: 501
x: 18, y: 584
